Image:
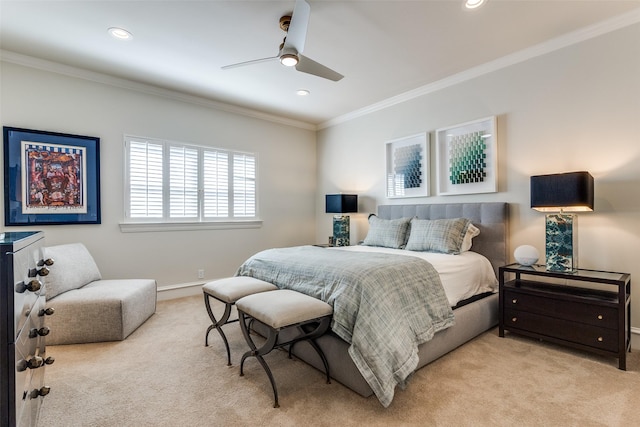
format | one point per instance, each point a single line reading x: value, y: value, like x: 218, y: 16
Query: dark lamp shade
x: 341, y: 203
x: 572, y: 192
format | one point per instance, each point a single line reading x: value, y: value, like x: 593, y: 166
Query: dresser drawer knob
x: 43, y: 391
x: 46, y: 311
x: 600, y: 317
x: 33, y: 363
x: 47, y: 261
x: 32, y: 286
x: 35, y: 332
x: 600, y: 339
x: 514, y: 319
x: 40, y: 271
x: 514, y: 301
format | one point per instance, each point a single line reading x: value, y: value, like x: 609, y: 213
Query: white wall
x: 36, y: 99
x: 577, y: 108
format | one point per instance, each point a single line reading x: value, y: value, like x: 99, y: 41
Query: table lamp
x: 341, y: 204
x: 557, y: 194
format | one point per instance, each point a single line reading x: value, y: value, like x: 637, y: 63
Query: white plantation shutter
x: 216, y: 184
x: 244, y: 185
x: 183, y: 182
x: 145, y: 179
x: 173, y: 182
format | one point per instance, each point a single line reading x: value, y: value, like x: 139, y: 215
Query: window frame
x: 166, y: 222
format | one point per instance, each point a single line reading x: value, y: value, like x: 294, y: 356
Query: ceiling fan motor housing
x: 284, y: 23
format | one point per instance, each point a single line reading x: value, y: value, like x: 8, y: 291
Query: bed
x: 469, y: 315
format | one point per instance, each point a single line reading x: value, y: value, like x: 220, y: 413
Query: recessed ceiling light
x: 302, y: 92
x: 120, y: 33
x: 473, y: 4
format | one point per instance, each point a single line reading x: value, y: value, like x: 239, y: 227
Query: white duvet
x: 462, y: 276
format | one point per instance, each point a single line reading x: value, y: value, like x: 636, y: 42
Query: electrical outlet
x: 201, y: 274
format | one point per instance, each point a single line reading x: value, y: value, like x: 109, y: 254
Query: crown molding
x: 55, y: 67
x: 569, y: 39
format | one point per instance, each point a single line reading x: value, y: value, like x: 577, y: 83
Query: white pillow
x: 472, y: 232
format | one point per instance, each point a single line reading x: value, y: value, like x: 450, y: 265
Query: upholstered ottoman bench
x: 279, y: 310
x: 228, y: 291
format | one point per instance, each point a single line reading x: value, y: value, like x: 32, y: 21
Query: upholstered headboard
x: 491, y: 218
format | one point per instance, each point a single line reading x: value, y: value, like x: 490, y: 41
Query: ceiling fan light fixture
x: 289, y: 60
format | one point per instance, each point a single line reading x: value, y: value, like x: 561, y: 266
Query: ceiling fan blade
x: 297, y: 34
x: 254, y: 61
x: 309, y: 66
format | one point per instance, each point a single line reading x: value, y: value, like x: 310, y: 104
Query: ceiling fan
x: 290, y: 54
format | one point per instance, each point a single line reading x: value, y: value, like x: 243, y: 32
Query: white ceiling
x: 383, y: 48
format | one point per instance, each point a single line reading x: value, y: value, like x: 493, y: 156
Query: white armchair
x: 88, y: 308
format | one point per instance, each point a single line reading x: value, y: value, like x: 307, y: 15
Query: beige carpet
x: 163, y: 375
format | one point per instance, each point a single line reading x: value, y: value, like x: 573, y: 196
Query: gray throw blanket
x: 384, y: 305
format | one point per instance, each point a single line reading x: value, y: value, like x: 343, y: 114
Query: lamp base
x: 341, y: 230
x: 561, y: 245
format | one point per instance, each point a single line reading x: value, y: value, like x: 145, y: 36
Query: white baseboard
x: 180, y: 290
x: 635, y: 339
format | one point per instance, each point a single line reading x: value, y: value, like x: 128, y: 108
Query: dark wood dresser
x: 587, y: 309
x: 22, y: 328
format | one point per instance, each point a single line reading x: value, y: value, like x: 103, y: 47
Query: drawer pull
x: 43, y: 391
x: 33, y: 286
x: 46, y: 311
x: 514, y: 319
x: 33, y: 363
x: 40, y: 271
x: 600, y: 317
x: 47, y: 261
x: 600, y: 339
x: 514, y: 301
x: 35, y: 332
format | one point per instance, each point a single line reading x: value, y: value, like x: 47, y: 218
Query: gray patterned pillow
x: 387, y: 233
x: 437, y: 235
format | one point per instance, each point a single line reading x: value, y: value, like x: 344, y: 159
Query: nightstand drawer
x: 592, y: 314
x: 601, y: 338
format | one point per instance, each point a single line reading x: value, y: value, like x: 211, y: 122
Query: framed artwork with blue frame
x: 50, y: 178
x: 408, y: 166
x: 467, y: 158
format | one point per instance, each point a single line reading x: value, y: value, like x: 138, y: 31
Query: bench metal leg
x: 308, y: 332
x: 259, y: 352
x: 310, y: 336
x: 217, y: 324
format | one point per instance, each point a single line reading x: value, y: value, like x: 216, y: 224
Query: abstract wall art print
x: 408, y: 166
x: 467, y: 158
x: 50, y: 178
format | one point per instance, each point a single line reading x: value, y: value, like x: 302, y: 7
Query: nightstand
x: 587, y: 309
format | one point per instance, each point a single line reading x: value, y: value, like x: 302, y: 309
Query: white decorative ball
x: 526, y: 255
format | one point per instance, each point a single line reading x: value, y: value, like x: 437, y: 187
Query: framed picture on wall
x: 50, y: 178
x: 408, y: 166
x: 467, y: 158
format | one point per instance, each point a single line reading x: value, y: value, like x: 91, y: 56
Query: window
x: 171, y: 182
